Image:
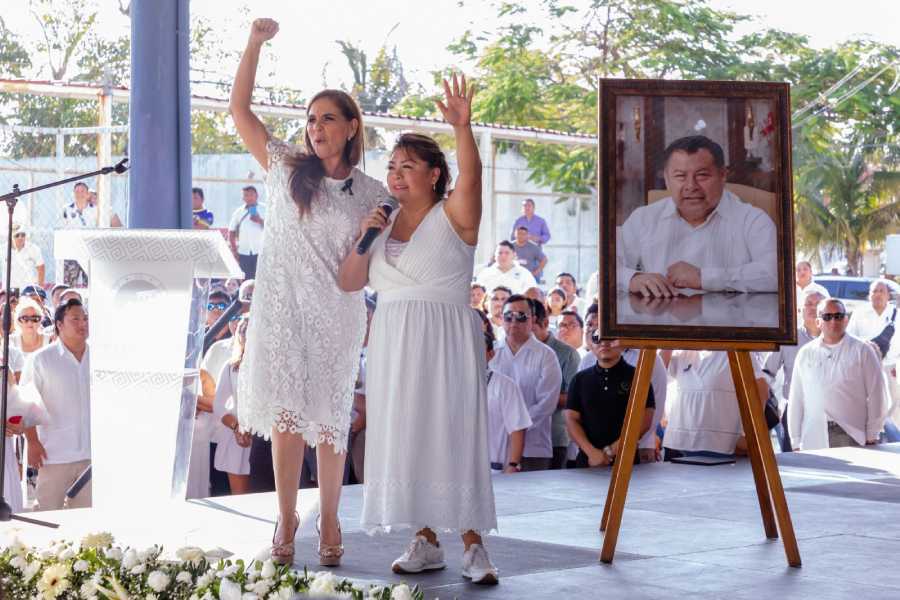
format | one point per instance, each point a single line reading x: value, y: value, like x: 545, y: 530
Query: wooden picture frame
x: 750, y: 291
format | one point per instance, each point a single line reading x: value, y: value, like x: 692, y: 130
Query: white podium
x: 147, y: 300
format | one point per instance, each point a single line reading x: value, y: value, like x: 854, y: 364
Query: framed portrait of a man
x: 696, y: 223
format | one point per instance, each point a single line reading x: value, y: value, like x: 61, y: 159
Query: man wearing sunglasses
x: 27, y: 260
x: 215, y: 306
x: 534, y: 367
x: 838, y: 394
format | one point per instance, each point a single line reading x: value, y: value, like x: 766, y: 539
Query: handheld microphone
x: 372, y: 232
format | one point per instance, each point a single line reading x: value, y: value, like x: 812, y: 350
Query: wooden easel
x: 769, y: 490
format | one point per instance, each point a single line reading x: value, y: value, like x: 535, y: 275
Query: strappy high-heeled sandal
x: 283, y: 554
x: 329, y: 554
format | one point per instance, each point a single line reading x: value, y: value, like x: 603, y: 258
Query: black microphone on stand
x: 388, y: 206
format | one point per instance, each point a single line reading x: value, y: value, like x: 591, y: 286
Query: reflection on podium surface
x: 703, y: 310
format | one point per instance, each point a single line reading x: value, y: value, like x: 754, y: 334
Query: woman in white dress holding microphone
x: 427, y: 463
x: 299, y: 368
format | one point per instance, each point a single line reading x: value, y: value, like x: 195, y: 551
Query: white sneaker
x: 477, y: 566
x: 421, y: 555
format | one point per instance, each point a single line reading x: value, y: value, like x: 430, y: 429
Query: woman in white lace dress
x: 297, y: 376
x: 427, y: 462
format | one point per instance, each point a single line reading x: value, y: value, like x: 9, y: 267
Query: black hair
x: 81, y: 184
x: 558, y: 292
x: 521, y: 227
x: 60, y: 313
x: 502, y: 288
x: 529, y: 200
x: 693, y: 144
x: 538, y: 310
x: 199, y: 192
x: 426, y: 149
x: 570, y: 276
x: 219, y: 294
x: 572, y: 313
x: 246, y: 188
x: 508, y: 244
x: 478, y: 285
x: 593, y: 309
x: 520, y: 298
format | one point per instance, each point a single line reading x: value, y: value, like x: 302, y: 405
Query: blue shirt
x: 536, y: 226
x: 204, y: 216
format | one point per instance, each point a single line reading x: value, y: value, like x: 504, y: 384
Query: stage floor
x: 687, y: 531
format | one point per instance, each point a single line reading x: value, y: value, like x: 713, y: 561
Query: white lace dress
x: 427, y: 460
x: 305, y: 334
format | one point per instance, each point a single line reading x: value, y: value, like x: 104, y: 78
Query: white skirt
x: 427, y: 461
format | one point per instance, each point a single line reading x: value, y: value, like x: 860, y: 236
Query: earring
x: 434, y: 187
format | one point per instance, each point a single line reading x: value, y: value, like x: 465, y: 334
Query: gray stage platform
x: 688, y: 531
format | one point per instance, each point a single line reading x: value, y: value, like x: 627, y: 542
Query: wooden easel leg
x: 759, y: 475
x: 767, y: 454
x: 615, y: 500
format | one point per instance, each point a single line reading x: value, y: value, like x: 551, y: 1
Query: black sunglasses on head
x: 837, y: 316
x: 518, y: 315
x: 27, y: 319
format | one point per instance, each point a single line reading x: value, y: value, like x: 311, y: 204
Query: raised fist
x: 263, y: 30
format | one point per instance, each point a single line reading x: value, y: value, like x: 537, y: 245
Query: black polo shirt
x: 601, y: 397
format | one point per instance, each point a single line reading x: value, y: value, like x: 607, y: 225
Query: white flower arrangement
x: 97, y: 569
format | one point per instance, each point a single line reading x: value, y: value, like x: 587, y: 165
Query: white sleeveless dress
x: 427, y: 461
x: 305, y: 334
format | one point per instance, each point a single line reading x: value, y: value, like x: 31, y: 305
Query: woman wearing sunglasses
x: 29, y: 335
x: 427, y: 460
x: 299, y: 371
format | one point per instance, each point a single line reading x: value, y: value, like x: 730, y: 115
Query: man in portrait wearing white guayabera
x: 699, y: 237
x: 838, y: 395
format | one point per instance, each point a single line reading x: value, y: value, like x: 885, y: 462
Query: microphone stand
x: 10, y: 199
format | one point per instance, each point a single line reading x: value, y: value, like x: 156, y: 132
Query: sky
x: 308, y: 57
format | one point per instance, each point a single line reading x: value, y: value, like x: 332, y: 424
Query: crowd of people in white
x: 556, y: 393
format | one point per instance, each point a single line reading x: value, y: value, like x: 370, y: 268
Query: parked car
x: 854, y: 291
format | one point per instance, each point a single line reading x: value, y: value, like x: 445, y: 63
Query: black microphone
x: 388, y: 207
x: 79, y: 483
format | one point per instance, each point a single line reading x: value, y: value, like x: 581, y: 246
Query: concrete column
x: 487, y: 233
x: 160, y: 121
x: 104, y: 157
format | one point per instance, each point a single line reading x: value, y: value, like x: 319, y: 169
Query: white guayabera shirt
x: 735, y: 248
x: 842, y: 383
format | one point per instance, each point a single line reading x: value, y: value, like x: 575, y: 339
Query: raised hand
x: 263, y: 30
x: 457, y: 108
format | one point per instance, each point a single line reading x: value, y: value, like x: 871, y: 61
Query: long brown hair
x: 427, y: 150
x: 307, y: 170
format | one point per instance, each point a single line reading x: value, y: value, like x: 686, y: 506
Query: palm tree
x: 843, y: 204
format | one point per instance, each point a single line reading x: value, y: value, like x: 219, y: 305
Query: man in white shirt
x: 701, y: 236
x: 508, y: 417
x: 245, y: 232
x: 785, y: 357
x: 27, y: 260
x: 506, y: 272
x: 867, y: 323
x: 61, y: 447
x: 838, y: 395
x: 806, y: 283
x: 534, y: 367
x: 80, y: 214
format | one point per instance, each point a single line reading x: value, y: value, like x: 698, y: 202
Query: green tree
x: 14, y: 59
x: 844, y: 203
